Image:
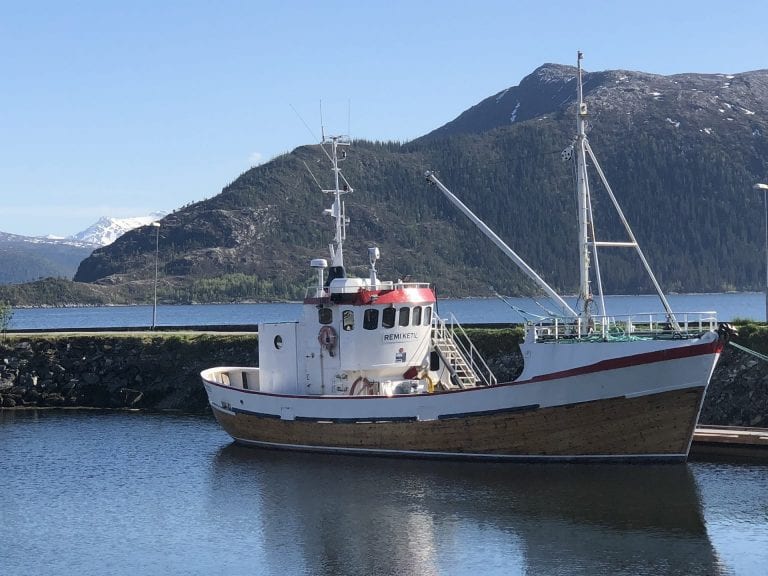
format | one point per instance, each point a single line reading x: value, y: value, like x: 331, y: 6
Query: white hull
x: 617, y: 387
x: 586, y: 382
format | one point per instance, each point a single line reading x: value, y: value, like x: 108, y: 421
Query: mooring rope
x: 748, y: 351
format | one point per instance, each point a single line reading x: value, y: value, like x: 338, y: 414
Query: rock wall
x: 161, y: 371
x: 155, y: 372
x: 738, y: 392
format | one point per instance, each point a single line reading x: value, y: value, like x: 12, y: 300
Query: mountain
x: 681, y: 153
x: 27, y: 258
x: 724, y: 104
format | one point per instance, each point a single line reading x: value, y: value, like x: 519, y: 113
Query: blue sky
x: 124, y: 108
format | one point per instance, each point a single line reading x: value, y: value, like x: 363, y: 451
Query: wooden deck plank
x: 731, y: 435
x: 730, y: 442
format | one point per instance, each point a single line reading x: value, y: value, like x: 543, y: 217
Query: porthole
x: 325, y: 315
x: 348, y: 320
x: 278, y: 342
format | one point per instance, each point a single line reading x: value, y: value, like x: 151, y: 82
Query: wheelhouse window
x: 348, y: 320
x: 371, y: 319
x: 427, y: 315
x: 416, y: 319
x: 405, y: 316
x: 388, y: 317
x: 325, y: 315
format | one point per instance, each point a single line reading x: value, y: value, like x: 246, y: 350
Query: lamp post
x: 156, y: 225
x: 764, y: 188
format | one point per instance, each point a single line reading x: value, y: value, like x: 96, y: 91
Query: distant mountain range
x: 26, y: 258
x: 681, y: 153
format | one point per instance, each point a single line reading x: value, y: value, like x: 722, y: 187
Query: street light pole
x: 156, y: 225
x: 764, y: 188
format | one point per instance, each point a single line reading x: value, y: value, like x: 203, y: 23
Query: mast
x: 582, y: 195
x: 586, y: 220
x: 340, y: 186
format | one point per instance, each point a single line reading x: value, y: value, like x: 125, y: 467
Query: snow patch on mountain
x: 107, y: 230
x: 102, y: 233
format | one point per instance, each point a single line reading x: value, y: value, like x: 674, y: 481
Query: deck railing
x: 655, y: 325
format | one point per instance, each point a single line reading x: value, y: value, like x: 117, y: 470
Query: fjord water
x: 88, y: 492
x: 728, y: 306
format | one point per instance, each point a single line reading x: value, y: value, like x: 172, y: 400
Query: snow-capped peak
x: 107, y: 230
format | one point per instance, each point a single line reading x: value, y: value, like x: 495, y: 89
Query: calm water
x: 468, y: 311
x: 136, y: 494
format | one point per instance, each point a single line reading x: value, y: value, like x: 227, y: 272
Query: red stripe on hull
x: 714, y: 347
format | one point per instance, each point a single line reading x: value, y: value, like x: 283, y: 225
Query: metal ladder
x: 464, y: 363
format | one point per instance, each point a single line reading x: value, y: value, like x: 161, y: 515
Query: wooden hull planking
x: 656, y: 426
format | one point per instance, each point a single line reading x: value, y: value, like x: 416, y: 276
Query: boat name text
x: 398, y: 337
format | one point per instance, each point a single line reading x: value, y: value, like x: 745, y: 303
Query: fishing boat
x: 370, y: 367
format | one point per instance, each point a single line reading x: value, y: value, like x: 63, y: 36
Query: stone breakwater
x: 738, y: 391
x: 151, y: 372
x: 161, y: 372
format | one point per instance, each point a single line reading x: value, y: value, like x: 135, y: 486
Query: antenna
x: 314, y: 137
x: 313, y: 176
x: 322, y: 128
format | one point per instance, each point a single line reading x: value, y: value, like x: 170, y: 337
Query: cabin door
x: 322, y: 360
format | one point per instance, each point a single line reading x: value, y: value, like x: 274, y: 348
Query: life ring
x: 366, y: 388
x: 327, y: 337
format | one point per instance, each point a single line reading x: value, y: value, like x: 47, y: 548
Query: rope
x: 525, y: 315
x: 762, y: 357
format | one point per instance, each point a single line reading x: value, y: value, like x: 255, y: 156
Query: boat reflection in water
x: 325, y: 514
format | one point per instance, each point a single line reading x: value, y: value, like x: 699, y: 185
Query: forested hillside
x: 681, y: 154
x: 23, y: 259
